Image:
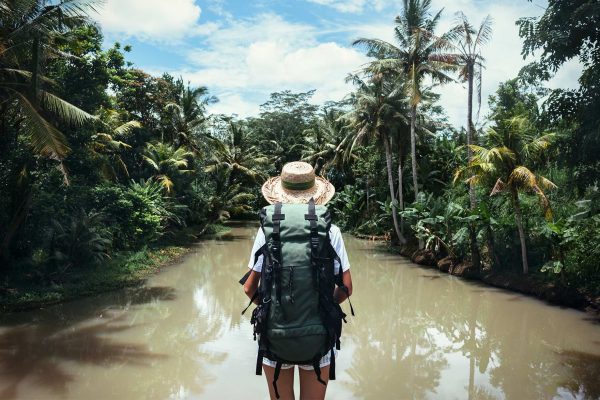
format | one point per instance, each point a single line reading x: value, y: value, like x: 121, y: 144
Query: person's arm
x: 251, y: 285
x: 340, y: 295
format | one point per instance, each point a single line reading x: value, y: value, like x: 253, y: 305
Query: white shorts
x: 325, y: 361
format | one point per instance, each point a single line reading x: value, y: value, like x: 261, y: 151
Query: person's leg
x: 285, y: 383
x: 310, y: 387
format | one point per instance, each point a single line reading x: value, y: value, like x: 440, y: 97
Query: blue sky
x: 244, y: 50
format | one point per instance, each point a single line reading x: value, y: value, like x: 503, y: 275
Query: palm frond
x: 499, y: 187
x: 522, y: 177
x: 126, y: 128
x: 45, y: 138
x: 64, y: 110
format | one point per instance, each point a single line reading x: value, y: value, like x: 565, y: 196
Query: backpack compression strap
x: 314, y: 233
x: 276, y: 247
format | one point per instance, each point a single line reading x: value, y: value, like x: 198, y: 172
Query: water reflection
x: 428, y: 335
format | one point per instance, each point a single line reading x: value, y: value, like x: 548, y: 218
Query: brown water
x: 417, y: 334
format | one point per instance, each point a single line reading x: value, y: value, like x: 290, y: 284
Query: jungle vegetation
x: 99, y: 159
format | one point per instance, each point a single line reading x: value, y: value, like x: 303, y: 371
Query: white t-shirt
x: 335, y: 235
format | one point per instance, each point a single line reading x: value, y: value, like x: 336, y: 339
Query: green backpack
x: 297, y: 320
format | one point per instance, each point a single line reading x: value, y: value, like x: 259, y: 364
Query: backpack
x: 297, y: 320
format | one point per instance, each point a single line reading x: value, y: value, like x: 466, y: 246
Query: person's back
x: 298, y: 259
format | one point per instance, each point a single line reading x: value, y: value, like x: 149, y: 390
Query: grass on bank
x: 123, y: 269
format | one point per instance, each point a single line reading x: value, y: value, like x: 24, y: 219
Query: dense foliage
x: 99, y: 158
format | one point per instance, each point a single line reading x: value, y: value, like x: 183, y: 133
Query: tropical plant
x: 349, y: 205
x: 419, y: 53
x: 188, y: 114
x: 378, y: 111
x: 79, y: 241
x: 329, y: 139
x: 150, y: 203
x: 439, y: 224
x: 28, y: 31
x: 468, y: 43
x: 508, y: 160
x: 227, y: 199
x: 107, y: 145
x: 167, y: 162
x: 236, y: 154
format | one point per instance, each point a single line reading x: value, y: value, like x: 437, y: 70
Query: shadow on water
x: 34, y: 346
x: 431, y: 276
x: 229, y: 237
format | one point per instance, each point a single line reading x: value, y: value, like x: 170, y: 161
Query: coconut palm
x: 330, y: 139
x: 419, y: 54
x: 167, y: 163
x: 236, y: 154
x: 507, y: 161
x: 469, y: 42
x: 228, y: 199
x: 189, y: 113
x: 28, y: 29
x: 378, y: 110
x: 107, y: 145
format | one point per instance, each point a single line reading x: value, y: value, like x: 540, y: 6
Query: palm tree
x: 107, y: 145
x: 469, y: 42
x: 507, y: 161
x: 28, y: 29
x: 419, y: 53
x: 236, y: 154
x: 167, y: 162
x: 329, y: 139
x: 228, y: 198
x: 378, y: 110
x: 189, y: 113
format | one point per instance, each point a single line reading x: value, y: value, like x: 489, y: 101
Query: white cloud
x: 352, y: 6
x: 233, y: 103
x: 243, y: 60
x: 156, y: 20
x: 240, y: 63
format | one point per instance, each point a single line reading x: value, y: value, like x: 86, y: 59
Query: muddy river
x: 417, y: 334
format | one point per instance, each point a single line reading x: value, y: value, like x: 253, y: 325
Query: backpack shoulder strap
x: 277, y: 217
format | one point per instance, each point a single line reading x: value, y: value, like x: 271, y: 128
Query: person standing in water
x: 297, y: 184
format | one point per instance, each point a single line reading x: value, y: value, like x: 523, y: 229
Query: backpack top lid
x: 295, y: 230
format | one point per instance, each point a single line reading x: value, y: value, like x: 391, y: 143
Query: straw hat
x: 297, y: 184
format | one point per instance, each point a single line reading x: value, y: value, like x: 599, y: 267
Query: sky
x: 245, y: 50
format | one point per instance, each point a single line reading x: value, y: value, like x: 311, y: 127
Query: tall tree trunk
x: 519, y: 221
x: 413, y: 148
x: 413, y: 154
x: 388, y: 159
x: 475, y: 255
x: 494, y: 259
x: 400, y: 187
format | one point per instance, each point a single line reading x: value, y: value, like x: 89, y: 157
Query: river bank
x: 535, y: 285
x: 124, y: 269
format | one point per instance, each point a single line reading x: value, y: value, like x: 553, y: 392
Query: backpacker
x: 297, y: 320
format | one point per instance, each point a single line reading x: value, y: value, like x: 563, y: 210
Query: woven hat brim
x: 273, y: 191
